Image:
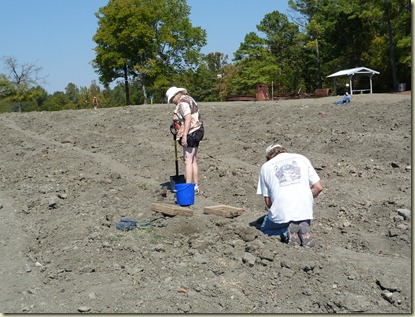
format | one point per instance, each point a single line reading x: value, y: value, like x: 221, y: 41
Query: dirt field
x: 67, y: 177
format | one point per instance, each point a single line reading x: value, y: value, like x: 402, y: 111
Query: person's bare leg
x: 188, y: 158
x: 195, y: 168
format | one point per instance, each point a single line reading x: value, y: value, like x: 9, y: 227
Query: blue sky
x: 57, y: 34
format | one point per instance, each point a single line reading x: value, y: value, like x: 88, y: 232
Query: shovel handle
x: 175, y: 154
x: 175, y: 147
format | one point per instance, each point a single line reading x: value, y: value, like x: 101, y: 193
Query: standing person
x: 95, y: 103
x: 289, y: 185
x: 189, y: 129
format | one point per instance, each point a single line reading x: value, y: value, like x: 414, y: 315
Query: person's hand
x: 184, y: 141
x: 173, y: 129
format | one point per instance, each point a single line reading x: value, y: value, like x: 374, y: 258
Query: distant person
x: 189, y: 130
x: 289, y: 184
x: 95, y: 103
x: 345, y: 100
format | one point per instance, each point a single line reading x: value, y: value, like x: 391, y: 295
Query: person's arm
x: 187, y: 119
x: 316, y: 188
x: 268, y: 202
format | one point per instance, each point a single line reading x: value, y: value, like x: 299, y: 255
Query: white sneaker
x: 197, y: 190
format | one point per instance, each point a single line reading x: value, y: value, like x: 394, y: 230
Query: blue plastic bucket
x: 185, y: 194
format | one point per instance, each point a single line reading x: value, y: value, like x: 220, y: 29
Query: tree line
x: 146, y: 46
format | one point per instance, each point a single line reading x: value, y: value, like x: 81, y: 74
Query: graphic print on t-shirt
x: 288, y: 173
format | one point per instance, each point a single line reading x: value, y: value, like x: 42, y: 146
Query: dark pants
x: 194, y: 138
x: 278, y: 229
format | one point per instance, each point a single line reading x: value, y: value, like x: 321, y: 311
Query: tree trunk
x: 127, y: 88
x: 143, y: 87
x: 392, y: 58
x: 320, y: 82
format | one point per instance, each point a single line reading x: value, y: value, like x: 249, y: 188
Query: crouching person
x: 289, y: 184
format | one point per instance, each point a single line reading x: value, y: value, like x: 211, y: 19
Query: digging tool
x: 176, y: 179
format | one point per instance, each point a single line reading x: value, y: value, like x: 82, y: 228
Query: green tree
x: 143, y: 40
x: 314, y: 19
x: 118, y: 95
x: 252, y: 61
x: 392, y: 35
x: 216, y: 64
x: 285, y: 43
x: 72, y: 93
x: 205, y: 83
x: 353, y: 33
x: 85, y: 98
x: 58, y: 101
x: 16, y: 86
x: 41, y: 97
x: 274, y: 55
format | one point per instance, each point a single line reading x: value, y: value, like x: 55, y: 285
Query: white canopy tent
x: 359, y: 71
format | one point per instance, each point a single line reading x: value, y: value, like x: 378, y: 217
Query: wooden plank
x: 171, y: 210
x: 224, y: 211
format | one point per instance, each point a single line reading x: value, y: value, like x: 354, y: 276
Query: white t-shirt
x: 287, y: 179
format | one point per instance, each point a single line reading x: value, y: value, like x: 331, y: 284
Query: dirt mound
x: 67, y: 177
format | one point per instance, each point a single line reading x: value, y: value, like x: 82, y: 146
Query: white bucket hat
x: 172, y: 91
x: 272, y: 146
